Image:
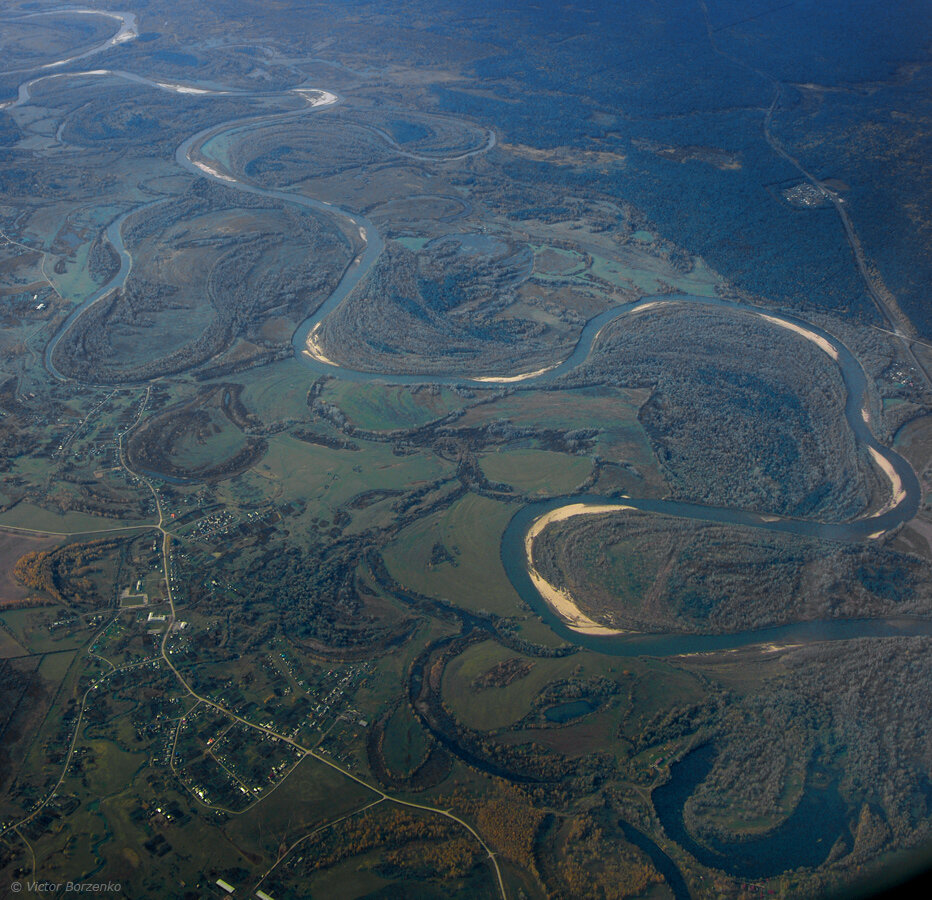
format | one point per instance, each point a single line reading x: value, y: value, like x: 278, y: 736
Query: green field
x: 647, y: 690
x: 222, y: 441
x: 499, y: 707
x: 314, y: 793
x: 613, y: 411
x: 29, y: 628
x: 9, y: 646
x: 332, y: 477
x: 557, y: 263
x: 644, y: 686
x: 412, y: 243
x: 381, y: 407
x: 700, y: 281
x: 26, y: 515
x: 278, y: 391
x: 473, y: 576
x: 541, y: 472
x: 405, y: 744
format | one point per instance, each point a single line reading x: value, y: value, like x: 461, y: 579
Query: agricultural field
x: 441, y: 554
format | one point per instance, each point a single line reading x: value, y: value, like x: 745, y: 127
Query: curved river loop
x: 904, y: 485
x: 905, y: 491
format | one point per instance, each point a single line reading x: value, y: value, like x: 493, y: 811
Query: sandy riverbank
x: 561, y: 601
x: 508, y: 379
x: 810, y: 336
x: 314, y: 350
x: 896, y: 483
x: 319, y: 98
x: 210, y: 170
x: 184, y: 88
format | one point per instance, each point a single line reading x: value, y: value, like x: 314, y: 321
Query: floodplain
x: 306, y: 320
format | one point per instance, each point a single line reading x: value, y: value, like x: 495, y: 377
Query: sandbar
x: 508, y: 379
x: 185, y: 89
x: 210, y: 170
x: 896, y: 483
x: 559, y: 600
x: 818, y: 340
x: 314, y: 350
x: 323, y: 98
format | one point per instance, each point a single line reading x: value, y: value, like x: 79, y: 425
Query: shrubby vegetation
x: 442, y: 310
x: 221, y: 289
x: 625, y: 149
x: 585, y: 856
x: 742, y: 414
x: 408, y: 845
x: 860, y: 708
x: 655, y: 573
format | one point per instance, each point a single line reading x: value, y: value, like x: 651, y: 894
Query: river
x: 768, y: 853
x: 905, y: 488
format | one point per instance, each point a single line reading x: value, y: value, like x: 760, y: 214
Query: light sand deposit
x: 210, y: 170
x: 319, y: 98
x: 896, y: 483
x: 314, y: 350
x: 508, y: 379
x: 185, y: 89
x: 810, y: 336
x: 561, y: 601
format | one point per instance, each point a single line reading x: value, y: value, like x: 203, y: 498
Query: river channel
x: 904, y: 483
x: 757, y: 858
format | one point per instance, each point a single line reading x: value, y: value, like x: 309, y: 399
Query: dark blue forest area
x: 628, y: 78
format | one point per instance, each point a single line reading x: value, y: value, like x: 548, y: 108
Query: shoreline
x: 210, y: 170
x: 561, y: 601
x: 508, y: 379
x: 896, y: 483
x: 824, y: 345
x: 314, y: 350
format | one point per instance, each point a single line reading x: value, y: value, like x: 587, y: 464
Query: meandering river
x: 904, y: 488
x: 193, y: 156
x: 903, y: 484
